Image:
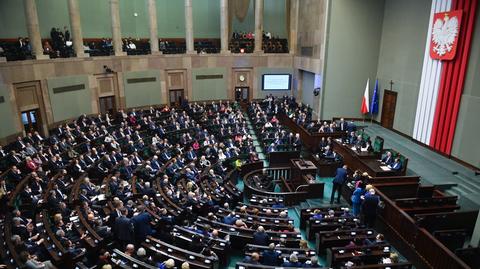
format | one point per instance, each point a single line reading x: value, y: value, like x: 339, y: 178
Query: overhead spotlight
x: 455, y: 173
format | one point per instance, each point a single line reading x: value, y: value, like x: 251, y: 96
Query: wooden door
x: 388, y: 109
x: 31, y: 108
x: 176, y: 97
x: 32, y: 121
x: 107, y: 105
x: 242, y: 94
x: 108, y: 95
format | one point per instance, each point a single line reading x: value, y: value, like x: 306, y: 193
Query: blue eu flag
x: 374, y: 103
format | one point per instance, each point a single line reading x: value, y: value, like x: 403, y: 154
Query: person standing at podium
x: 338, y: 181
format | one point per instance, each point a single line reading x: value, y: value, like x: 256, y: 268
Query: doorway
x: 31, y: 111
x: 31, y: 121
x: 107, y: 105
x: 176, y: 97
x: 242, y: 94
x: 388, y: 108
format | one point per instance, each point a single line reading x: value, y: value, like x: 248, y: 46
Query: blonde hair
x: 394, y: 257
x: 303, y: 244
x: 368, y: 187
x: 170, y: 263
x: 185, y: 265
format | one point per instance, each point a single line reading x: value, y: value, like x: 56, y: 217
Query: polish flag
x: 365, y: 102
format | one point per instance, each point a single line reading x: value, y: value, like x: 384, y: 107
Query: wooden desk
x: 326, y: 167
x: 309, y: 140
x: 363, y: 161
x: 302, y: 167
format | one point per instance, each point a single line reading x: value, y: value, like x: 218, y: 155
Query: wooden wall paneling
x: 29, y: 96
x: 237, y: 82
x: 177, y: 80
x: 107, y: 85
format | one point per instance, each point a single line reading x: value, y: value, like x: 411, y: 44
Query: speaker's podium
x: 301, y: 167
x: 302, y: 178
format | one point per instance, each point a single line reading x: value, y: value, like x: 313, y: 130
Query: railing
x: 279, y: 172
x: 434, y: 253
x: 289, y: 198
x: 431, y: 251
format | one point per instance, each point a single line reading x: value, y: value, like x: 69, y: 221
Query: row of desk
x: 363, y: 161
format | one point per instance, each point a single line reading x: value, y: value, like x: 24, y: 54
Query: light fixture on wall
x: 242, y: 50
x: 108, y: 70
x: 316, y: 91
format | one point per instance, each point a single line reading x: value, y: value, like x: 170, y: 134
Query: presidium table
x: 362, y: 160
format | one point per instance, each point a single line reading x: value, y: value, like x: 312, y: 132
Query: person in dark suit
x: 312, y: 263
x: 148, y: 190
x: 230, y: 218
x: 352, y: 138
x: 14, y: 159
x: 292, y: 261
x: 396, y: 165
x: 271, y: 148
x: 369, y: 208
x: 388, y: 159
x: 260, y: 237
x: 342, y: 125
x: 253, y: 259
x: 141, y: 224
x: 328, y: 153
x: 123, y: 229
x: 338, y: 181
x: 270, y: 256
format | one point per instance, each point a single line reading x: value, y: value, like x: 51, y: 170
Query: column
x: 258, y: 25
x: 33, y: 29
x: 116, y: 30
x: 224, y: 38
x: 77, y: 36
x: 189, y: 27
x: 292, y: 40
x: 152, y: 14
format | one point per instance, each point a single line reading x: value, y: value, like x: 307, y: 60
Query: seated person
x: 317, y: 214
x: 360, y: 142
x: 312, y: 263
x: 393, y: 258
x: 253, y: 259
x: 292, y: 262
x: 328, y: 153
x: 379, y: 239
x: 271, y: 148
x: 368, y: 146
x: 388, y: 159
x: 351, y: 138
x: 270, y: 256
x: 396, y: 166
x: 260, y: 237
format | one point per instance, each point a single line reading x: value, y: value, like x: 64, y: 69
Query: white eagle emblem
x: 444, y: 33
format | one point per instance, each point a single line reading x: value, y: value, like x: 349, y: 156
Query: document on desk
x: 385, y: 168
x: 363, y: 150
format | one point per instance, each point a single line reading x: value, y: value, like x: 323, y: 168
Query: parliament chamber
x: 247, y: 134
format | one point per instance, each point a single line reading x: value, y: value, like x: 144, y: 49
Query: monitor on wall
x: 276, y: 82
